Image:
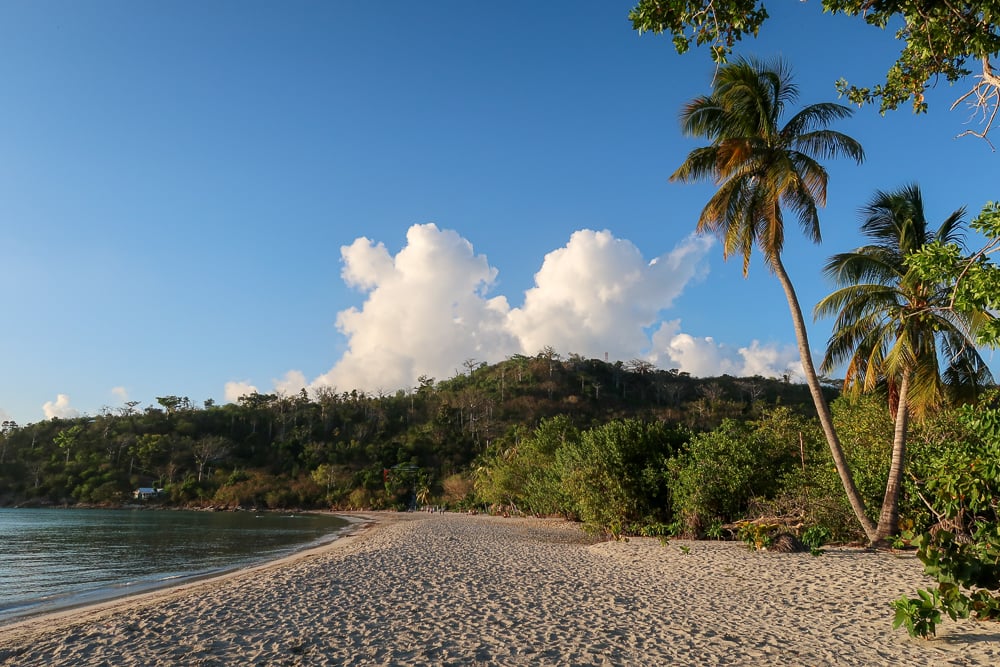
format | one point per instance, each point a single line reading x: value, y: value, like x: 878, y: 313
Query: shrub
x: 719, y: 474
x: 814, y: 537
x: 457, y: 489
x: 615, y: 475
x: 962, y: 553
x: 520, y: 472
x: 359, y: 499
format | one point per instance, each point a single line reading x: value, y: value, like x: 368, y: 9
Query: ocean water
x: 56, y: 558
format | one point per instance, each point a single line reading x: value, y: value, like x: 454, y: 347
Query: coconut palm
x: 894, y: 330
x: 764, y: 168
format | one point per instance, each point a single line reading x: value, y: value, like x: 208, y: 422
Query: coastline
x: 73, y: 586
x: 431, y: 589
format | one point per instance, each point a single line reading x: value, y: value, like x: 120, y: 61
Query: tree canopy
x: 954, y: 40
x: 976, y: 278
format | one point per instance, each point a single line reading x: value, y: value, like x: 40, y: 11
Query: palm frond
x: 891, y: 324
x: 812, y: 174
x: 701, y: 164
x: 815, y: 117
x: 753, y: 159
x: 867, y: 264
x: 702, y: 117
x: 828, y: 144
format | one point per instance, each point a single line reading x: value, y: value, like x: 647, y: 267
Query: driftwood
x: 790, y: 524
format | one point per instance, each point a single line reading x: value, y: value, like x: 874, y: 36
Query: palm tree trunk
x: 822, y: 408
x: 888, y: 520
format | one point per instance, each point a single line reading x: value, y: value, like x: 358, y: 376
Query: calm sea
x: 56, y: 558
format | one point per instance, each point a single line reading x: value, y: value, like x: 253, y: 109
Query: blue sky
x: 201, y: 199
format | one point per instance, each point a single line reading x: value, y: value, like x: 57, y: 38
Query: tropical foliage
x: 962, y: 553
x: 892, y: 331
x: 722, y: 473
x: 521, y: 473
x: 333, y: 448
x: 975, y: 278
x: 941, y: 41
x: 615, y: 475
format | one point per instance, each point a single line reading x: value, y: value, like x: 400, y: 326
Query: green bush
x: 722, y: 471
x: 615, y: 475
x: 521, y: 473
x: 962, y: 553
x: 814, y: 537
x: 865, y: 428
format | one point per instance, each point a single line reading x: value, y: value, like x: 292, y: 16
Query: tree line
x: 347, y: 449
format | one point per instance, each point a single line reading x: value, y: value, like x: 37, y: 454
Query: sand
x: 447, y: 589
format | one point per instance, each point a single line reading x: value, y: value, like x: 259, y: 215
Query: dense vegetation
x: 625, y: 448
x: 351, y: 449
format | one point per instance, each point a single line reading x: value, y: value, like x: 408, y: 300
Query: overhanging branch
x: 984, y: 99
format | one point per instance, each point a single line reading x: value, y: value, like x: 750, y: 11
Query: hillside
x: 351, y: 448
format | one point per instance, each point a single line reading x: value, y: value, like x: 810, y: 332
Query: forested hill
x: 351, y: 449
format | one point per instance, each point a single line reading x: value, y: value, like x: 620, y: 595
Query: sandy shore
x: 437, y: 589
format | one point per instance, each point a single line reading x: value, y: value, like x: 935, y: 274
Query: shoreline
x: 105, y: 599
x: 433, y: 589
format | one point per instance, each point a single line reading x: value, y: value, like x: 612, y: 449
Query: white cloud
x: 428, y: 308
x: 234, y: 390
x: 598, y: 295
x: 425, y: 312
x: 697, y: 356
x: 60, y: 408
x: 706, y: 357
x: 772, y: 361
x: 120, y: 393
x: 292, y: 383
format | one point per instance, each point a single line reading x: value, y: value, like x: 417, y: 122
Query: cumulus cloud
x: 60, y: 408
x: 425, y: 312
x: 429, y: 307
x: 772, y: 361
x: 120, y: 393
x: 598, y: 295
x: 292, y: 383
x: 705, y: 356
x: 234, y: 390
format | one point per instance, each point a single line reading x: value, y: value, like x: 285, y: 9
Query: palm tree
x: 763, y: 168
x: 894, y: 330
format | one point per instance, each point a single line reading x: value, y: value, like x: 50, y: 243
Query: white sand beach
x: 448, y: 589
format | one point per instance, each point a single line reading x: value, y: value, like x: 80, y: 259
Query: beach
x: 453, y: 589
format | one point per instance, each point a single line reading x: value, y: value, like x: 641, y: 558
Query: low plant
x: 757, y: 536
x: 814, y: 537
x: 919, y: 615
x: 714, y: 531
x: 652, y: 530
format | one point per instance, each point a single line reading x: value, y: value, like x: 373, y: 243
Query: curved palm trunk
x: 888, y: 520
x: 822, y: 408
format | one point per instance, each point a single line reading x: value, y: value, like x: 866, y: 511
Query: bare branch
x: 984, y: 99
